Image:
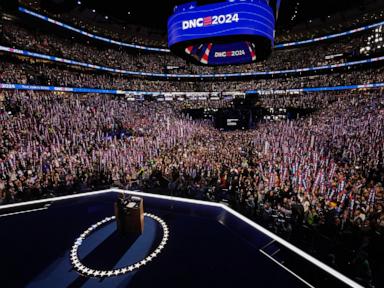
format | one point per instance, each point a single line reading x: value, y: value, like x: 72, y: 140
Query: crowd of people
x: 323, y: 170
x: 79, y: 130
x: 27, y: 71
x: 51, y: 141
x: 17, y: 36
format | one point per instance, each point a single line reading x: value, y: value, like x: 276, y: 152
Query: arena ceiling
x: 155, y: 13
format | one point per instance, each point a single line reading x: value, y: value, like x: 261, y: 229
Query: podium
x: 129, y: 212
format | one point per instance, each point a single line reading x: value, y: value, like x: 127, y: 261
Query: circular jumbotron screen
x: 224, y: 33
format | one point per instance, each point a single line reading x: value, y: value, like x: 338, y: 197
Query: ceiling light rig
x: 296, y: 11
x: 374, y: 42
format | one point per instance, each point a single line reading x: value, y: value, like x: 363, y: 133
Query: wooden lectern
x: 129, y: 212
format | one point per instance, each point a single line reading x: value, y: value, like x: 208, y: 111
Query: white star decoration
x: 79, y: 267
x: 153, y: 255
x: 117, y: 272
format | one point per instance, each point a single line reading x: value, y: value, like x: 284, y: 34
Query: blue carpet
x: 207, y: 248
x: 60, y: 273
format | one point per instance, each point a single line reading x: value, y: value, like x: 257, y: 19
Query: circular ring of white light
x: 86, y: 271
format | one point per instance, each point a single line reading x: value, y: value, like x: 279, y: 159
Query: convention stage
x: 193, y: 244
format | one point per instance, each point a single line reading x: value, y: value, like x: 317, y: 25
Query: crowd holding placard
x: 314, y: 157
x: 29, y: 72
x: 330, y: 164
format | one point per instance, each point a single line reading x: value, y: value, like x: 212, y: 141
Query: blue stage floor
x: 207, y: 247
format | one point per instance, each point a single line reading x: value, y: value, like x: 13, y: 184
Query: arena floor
x: 207, y: 247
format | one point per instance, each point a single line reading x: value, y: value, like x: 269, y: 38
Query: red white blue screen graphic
x: 211, y: 23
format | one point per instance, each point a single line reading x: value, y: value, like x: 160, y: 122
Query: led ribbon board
x: 231, y: 32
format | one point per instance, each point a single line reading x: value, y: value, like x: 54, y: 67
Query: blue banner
x: 73, y: 89
x: 319, y: 89
x: 232, y: 53
x: 158, y: 93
